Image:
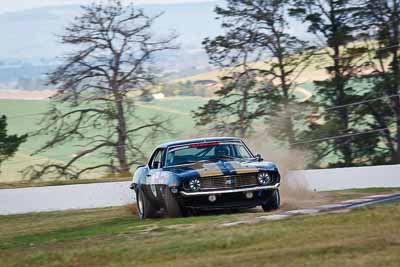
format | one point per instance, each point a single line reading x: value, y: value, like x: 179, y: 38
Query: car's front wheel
x: 273, y: 201
x: 172, y: 206
x: 144, y: 207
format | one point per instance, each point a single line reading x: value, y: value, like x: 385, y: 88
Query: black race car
x: 205, y: 174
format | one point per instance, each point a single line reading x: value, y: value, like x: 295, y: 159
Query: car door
x: 154, y: 174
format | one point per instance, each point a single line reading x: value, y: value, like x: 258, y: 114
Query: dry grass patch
x: 114, y: 237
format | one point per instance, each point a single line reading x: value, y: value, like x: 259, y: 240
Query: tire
x: 273, y: 201
x: 145, y: 208
x: 171, y: 205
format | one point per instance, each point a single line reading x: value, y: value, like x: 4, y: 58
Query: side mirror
x: 259, y: 157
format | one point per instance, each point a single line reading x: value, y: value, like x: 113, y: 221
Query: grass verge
x: 114, y: 237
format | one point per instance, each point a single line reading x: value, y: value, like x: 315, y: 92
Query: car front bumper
x: 230, y: 191
x: 228, y: 199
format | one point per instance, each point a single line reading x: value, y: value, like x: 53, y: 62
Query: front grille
x: 229, y: 182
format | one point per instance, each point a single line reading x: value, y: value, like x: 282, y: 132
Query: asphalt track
x: 342, y: 206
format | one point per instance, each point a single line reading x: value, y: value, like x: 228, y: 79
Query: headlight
x: 264, y: 178
x: 194, y: 184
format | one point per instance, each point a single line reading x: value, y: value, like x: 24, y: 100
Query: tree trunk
x: 286, y: 101
x: 122, y: 137
x: 344, y: 145
x: 242, y: 115
x: 120, y: 116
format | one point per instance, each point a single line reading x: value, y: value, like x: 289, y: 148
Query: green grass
x: 114, y: 237
x: 24, y: 118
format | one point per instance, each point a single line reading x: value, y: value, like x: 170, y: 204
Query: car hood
x: 208, y: 169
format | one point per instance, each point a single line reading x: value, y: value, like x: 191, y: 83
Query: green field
x: 114, y: 237
x: 24, y: 116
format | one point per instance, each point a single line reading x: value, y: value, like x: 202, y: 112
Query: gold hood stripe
x: 250, y: 170
x: 209, y: 173
x: 207, y: 169
x: 213, y: 169
x: 241, y: 169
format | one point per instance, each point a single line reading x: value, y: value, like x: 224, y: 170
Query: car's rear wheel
x: 171, y: 205
x: 273, y: 201
x: 145, y: 208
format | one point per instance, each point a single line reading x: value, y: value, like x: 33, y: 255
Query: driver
x: 221, y: 151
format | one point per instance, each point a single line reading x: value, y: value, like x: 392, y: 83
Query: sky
x: 16, y: 5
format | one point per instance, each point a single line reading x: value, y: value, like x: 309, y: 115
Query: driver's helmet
x: 221, y: 151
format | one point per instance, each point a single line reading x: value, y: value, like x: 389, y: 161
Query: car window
x: 206, y: 152
x: 156, y: 160
x: 241, y: 152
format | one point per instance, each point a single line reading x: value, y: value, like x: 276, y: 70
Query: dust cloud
x: 295, y: 191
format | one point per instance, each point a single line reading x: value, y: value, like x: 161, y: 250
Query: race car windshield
x: 206, y: 152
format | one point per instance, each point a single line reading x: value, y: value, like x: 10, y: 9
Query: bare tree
x: 113, y: 51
